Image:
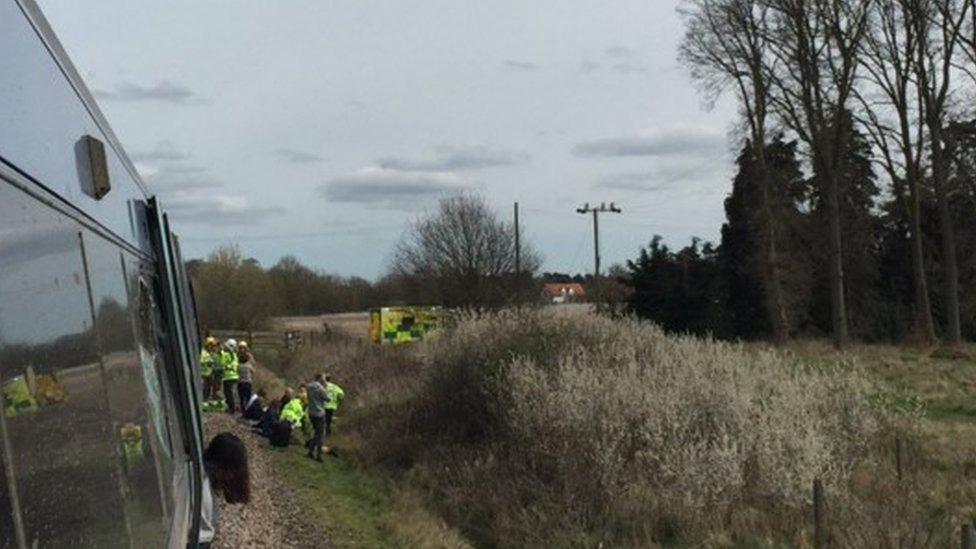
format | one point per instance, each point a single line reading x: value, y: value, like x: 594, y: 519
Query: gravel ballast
x: 273, y: 518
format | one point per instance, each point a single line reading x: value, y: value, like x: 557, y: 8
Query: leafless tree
x: 966, y: 33
x: 938, y: 25
x: 463, y: 255
x: 815, y: 45
x: 724, y: 48
x: 891, y: 115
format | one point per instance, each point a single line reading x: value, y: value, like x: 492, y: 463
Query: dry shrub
x: 571, y: 429
x: 381, y: 384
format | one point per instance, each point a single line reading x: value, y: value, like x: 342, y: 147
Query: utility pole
x: 518, y: 247
x: 596, y: 211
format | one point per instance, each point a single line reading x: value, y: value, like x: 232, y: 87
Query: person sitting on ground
x: 318, y: 399
x: 271, y: 415
x: 255, y: 406
x: 226, y: 475
x: 293, y: 411
x: 289, y: 421
x: 267, y: 422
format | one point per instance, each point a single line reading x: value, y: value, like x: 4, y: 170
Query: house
x: 563, y: 293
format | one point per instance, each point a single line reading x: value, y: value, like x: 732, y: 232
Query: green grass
x: 352, y: 504
x: 362, y: 507
x: 949, y: 410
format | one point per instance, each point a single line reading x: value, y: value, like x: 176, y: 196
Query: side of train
x: 100, y: 432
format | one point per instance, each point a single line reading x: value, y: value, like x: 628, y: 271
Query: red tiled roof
x: 556, y: 290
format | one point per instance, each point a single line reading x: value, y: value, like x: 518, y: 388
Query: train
x: 101, y: 439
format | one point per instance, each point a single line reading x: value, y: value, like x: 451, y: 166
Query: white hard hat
x: 231, y: 343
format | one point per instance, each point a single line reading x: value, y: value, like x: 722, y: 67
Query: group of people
x: 228, y: 365
x: 307, y: 411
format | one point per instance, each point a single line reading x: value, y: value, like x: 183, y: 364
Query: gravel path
x: 272, y: 518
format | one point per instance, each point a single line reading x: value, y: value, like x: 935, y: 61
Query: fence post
x: 968, y: 536
x: 819, y: 529
x: 899, y: 464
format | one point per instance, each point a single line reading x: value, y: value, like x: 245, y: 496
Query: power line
x: 579, y: 247
x: 337, y: 232
x: 596, y: 211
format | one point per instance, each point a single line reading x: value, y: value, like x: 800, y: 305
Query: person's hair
x: 226, y: 463
x: 328, y: 377
x: 320, y: 376
x: 263, y: 394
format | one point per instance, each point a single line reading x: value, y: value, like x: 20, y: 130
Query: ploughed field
x: 349, y: 324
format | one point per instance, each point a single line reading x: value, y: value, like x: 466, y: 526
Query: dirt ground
x: 273, y: 518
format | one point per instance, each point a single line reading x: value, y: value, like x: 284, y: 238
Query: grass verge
x: 358, y: 506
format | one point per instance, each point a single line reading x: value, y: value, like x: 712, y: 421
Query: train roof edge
x: 36, y: 17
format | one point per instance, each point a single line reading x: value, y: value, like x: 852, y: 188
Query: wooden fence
x: 821, y: 526
x: 290, y: 340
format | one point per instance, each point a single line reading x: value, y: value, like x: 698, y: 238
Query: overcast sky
x: 320, y: 129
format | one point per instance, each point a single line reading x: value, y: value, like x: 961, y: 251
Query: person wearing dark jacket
x: 255, y: 406
x: 318, y: 397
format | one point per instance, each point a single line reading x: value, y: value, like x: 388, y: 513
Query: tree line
x: 460, y: 255
x: 237, y: 292
x: 852, y: 212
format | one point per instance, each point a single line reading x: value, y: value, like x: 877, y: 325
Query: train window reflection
x: 63, y: 484
x: 133, y: 394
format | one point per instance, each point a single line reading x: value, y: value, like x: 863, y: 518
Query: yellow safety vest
x: 229, y: 363
x: 335, y: 396
x: 206, y: 363
x: 17, y: 398
x: 293, y: 412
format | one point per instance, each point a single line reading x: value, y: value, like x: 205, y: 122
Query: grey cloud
x: 518, y: 65
x: 164, y: 151
x: 297, y: 156
x: 673, y: 141
x: 587, y: 66
x: 172, y: 179
x: 661, y: 178
x: 457, y: 159
x: 628, y: 68
x: 217, y: 210
x: 390, y: 188
x: 618, y: 51
x: 164, y: 91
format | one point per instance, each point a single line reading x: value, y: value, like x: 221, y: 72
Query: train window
x: 150, y: 359
x: 134, y: 396
x: 63, y: 484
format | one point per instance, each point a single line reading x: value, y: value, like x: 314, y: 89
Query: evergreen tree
x: 742, y: 234
x: 858, y: 195
x: 680, y: 291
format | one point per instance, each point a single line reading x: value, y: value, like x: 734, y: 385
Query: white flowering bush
x: 614, y: 431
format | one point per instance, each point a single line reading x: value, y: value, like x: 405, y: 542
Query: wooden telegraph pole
x: 596, y: 211
x: 518, y: 247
